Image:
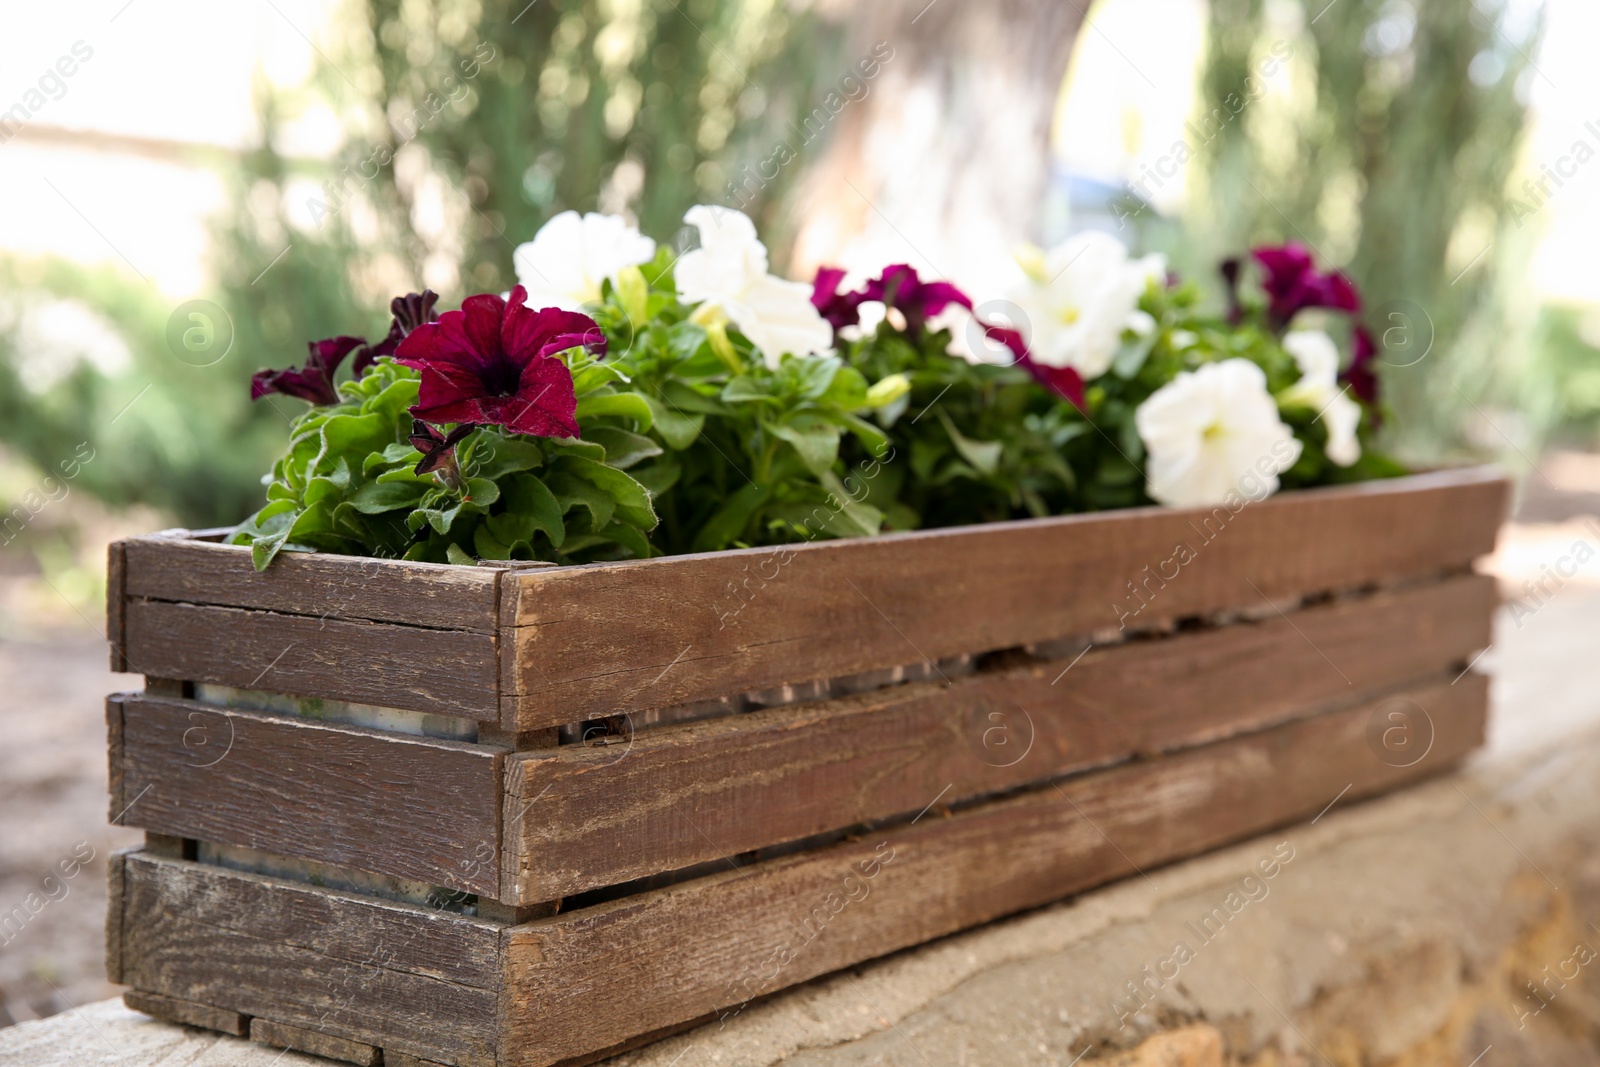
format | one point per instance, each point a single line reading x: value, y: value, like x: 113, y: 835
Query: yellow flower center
x: 1212, y: 432
x: 1068, y: 316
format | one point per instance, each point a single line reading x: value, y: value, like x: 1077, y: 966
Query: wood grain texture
x: 597, y: 639
x: 281, y: 1035
x: 115, y: 794
x: 450, y: 672
x: 322, y: 585
x: 394, y: 804
x: 587, y: 979
x: 188, y: 1013
x: 578, y: 818
x: 116, y: 603
x: 423, y: 982
x: 116, y: 888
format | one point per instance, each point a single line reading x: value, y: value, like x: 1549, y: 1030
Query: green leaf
x: 623, y: 449
x: 632, y: 499
x: 687, y: 400
x: 658, y: 477
x: 629, y: 537
x: 573, y: 492
x: 500, y: 456
x: 876, y: 440
x: 730, y: 520
x: 453, y: 553
x: 529, y: 507
x: 813, y: 375
x: 627, y: 405
x: 1132, y: 354
x: 375, y: 498
x: 817, y: 443
x: 748, y: 389
x: 344, y: 434
x: 848, y: 390
x: 596, y: 375
x: 676, y: 429
x: 391, y: 454
x: 685, y: 338
x: 482, y: 492
x: 263, y: 550
x: 983, y: 455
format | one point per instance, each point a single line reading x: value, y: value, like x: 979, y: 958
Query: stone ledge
x: 1406, y: 930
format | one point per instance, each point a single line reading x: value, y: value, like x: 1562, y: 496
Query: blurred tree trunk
x: 944, y: 163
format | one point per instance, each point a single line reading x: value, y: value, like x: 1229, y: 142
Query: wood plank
x: 587, y: 979
x: 578, y: 817
x: 409, y: 807
x: 117, y: 803
x: 281, y: 1035
x: 116, y: 889
x: 116, y: 604
x: 424, y: 982
x: 188, y: 1013
x: 324, y: 585
x: 451, y: 672
x: 598, y: 639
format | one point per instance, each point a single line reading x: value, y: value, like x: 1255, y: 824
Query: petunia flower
x: 410, y: 311
x: 727, y: 276
x: 571, y: 256
x: 1213, y: 432
x: 438, y: 450
x: 1361, y: 376
x: 841, y: 309
x: 1293, y: 283
x: 1319, y: 389
x: 1079, y: 297
x: 314, y: 381
x: 1065, y: 382
x: 493, y: 363
x: 899, y: 287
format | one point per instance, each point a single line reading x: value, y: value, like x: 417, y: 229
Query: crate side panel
x: 410, y: 807
x: 422, y: 981
x: 450, y: 672
x: 434, y: 595
x: 579, y: 817
x: 607, y: 638
x: 588, y: 979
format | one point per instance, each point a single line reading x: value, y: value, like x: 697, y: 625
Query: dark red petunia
x: 1293, y: 283
x: 840, y: 309
x: 436, y: 448
x: 493, y: 363
x: 899, y: 287
x: 1065, y: 382
x: 314, y: 381
x: 410, y: 311
x: 1360, y: 375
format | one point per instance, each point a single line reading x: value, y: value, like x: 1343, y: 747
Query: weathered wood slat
x: 451, y: 672
x: 116, y: 603
x: 578, y: 818
x: 116, y: 894
x: 423, y: 982
x: 188, y: 1013
x: 324, y: 585
x: 599, y: 639
x: 409, y: 807
x: 590, y: 978
x: 281, y: 1035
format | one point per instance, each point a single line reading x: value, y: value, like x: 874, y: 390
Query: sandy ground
x: 53, y: 675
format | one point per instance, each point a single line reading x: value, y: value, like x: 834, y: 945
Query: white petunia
x: 571, y: 255
x: 728, y: 274
x: 1078, y: 299
x: 1213, y: 432
x: 1319, y: 389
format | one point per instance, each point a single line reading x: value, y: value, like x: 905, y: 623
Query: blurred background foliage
x: 464, y: 124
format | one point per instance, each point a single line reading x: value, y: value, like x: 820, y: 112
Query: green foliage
x: 1390, y: 154
x: 347, y: 483
x: 175, y: 433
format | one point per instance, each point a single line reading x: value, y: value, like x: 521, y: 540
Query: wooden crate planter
x: 522, y: 816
